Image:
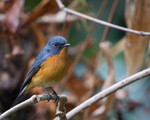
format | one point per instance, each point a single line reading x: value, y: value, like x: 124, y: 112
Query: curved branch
x: 32, y: 100
x: 62, y: 7
x: 107, y: 92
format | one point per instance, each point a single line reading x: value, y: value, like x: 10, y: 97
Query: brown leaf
x: 77, y: 86
x: 137, y: 17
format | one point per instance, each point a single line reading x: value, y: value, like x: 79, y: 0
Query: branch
x: 107, y: 103
x: 32, y: 100
x: 107, y: 92
x: 61, y: 110
x: 62, y: 7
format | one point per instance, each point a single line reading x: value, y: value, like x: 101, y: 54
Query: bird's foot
x: 47, y: 93
x: 54, y: 93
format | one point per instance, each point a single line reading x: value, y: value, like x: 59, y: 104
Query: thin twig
x: 110, y: 19
x: 32, y: 100
x: 108, y: 91
x: 62, y: 7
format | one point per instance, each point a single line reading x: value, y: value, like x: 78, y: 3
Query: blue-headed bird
x: 48, y: 68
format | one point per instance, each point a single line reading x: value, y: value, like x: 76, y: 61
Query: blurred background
x: 99, y: 56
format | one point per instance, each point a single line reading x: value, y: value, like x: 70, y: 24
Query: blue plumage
x: 53, y: 47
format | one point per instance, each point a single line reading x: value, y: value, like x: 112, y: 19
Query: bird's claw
x: 50, y: 97
x: 55, y: 94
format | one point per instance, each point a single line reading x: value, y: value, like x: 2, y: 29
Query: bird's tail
x: 19, y: 97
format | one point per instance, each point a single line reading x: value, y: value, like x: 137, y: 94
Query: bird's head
x: 56, y: 44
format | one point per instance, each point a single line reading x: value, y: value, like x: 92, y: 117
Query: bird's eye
x: 56, y: 44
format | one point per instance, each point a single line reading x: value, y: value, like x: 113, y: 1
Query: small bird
x: 48, y: 68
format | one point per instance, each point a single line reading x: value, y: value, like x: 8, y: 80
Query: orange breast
x: 52, y: 70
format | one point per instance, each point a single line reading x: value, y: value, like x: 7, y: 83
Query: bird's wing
x: 31, y: 73
x: 35, y: 68
x: 41, y: 58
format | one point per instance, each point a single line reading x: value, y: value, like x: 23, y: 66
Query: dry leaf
x: 137, y: 17
x: 77, y: 86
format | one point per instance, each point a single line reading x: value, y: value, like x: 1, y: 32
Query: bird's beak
x: 66, y: 45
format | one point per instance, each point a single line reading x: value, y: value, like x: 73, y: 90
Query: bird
x: 49, y: 67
